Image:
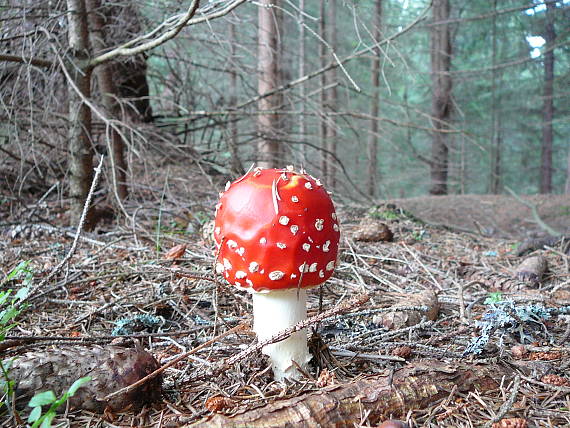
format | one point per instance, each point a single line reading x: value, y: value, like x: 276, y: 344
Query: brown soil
x: 493, y: 215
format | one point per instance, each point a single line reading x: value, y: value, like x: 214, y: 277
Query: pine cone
x: 555, y: 380
x: 111, y: 369
x: 511, y: 423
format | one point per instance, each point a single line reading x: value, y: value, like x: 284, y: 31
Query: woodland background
x: 445, y: 315
x: 382, y: 99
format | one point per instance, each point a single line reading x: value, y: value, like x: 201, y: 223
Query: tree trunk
x: 372, y: 176
x: 80, y: 145
x: 331, y: 133
x: 267, y: 51
x: 323, y: 94
x: 302, y: 122
x: 567, y: 187
x: 495, y: 175
x: 109, y: 95
x: 548, y: 104
x: 122, y: 20
x: 441, y: 96
x: 378, y: 397
x: 237, y: 167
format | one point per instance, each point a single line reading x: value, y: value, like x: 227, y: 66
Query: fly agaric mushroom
x: 277, y: 235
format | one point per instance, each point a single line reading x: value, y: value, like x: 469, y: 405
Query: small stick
x: 174, y: 361
x: 504, y: 409
x: 33, y: 292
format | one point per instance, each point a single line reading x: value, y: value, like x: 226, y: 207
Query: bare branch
x: 171, y: 28
x: 174, y: 25
x: 33, y: 61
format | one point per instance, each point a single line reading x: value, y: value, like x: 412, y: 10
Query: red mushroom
x: 277, y: 234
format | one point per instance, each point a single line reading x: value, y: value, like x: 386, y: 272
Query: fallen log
x: 379, y: 396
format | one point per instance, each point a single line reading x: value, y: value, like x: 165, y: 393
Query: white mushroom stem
x: 274, y: 311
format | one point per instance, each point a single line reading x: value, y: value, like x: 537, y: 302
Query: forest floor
x: 441, y: 325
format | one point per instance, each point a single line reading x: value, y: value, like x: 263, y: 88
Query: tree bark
x: 80, y: 145
x: 378, y: 397
x: 237, y: 167
x: 441, y: 96
x: 567, y: 187
x: 495, y: 175
x: 331, y: 132
x: 267, y: 50
x: 302, y: 46
x: 372, y: 176
x: 548, y: 102
x: 130, y: 74
x: 323, y: 93
x: 109, y: 95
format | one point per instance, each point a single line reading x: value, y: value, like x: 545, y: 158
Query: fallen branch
x: 379, y: 397
x: 538, y: 220
x: 33, y: 294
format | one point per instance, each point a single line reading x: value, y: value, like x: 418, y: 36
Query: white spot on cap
x: 232, y: 244
x: 310, y: 239
x: 304, y: 268
x: 217, y: 230
x: 308, y: 185
x: 294, y: 229
x: 321, y: 274
x: 290, y: 168
x: 319, y: 224
x: 293, y: 275
x: 284, y: 176
x: 284, y: 220
x: 281, y: 245
x: 227, y: 264
x: 240, y: 274
x: 219, y: 268
x: 256, y: 171
x: 333, y: 215
x: 294, y: 199
x: 262, y: 271
x: 335, y: 227
x: 253, y: 267
x: 276, y: 275
x: 326, y: 246
x: 313, y: 267
x: 263, y: 241
x: 306, y: 247
x: 248, y: 282
x: 228, y: 184
x: 240, y: 251
x: 330, y: 265
x: 319, y: 183
x: 237, y: 284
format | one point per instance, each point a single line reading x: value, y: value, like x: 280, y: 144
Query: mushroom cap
x: 276, y: 229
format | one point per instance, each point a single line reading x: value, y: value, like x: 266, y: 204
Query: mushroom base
x: 278, y: 310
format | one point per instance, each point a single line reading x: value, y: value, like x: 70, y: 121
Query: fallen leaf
x: 176, y: 252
